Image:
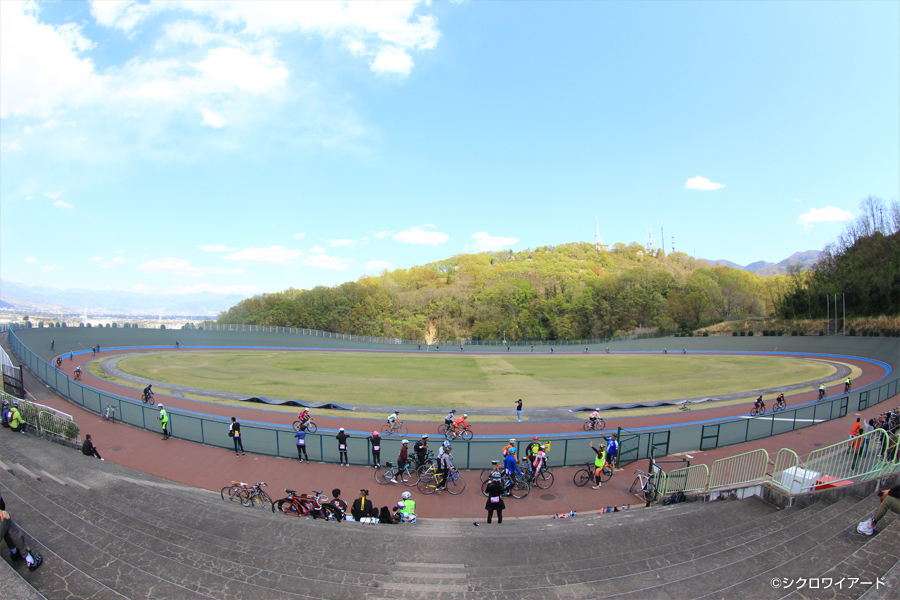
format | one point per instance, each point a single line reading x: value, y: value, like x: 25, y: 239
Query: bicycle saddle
x: 290, y: 491
x: 317, y: 492
x: 389, y: 464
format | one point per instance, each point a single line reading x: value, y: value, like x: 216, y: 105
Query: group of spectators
x: 11, y: 417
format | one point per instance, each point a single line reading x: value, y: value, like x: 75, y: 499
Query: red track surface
x: 212, y: 468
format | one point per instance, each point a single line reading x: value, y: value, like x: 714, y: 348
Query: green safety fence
x: 741, y: 469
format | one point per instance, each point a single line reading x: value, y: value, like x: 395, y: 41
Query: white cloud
x: 484, y: 242
x: 52, y: 195
x: 392, y: 60
x: 702, y: 183
x: 31, y: 259
x: 40, y: 63
x: 217, y: 248
x: 49, y: 268
x: 377, y: 266
x: 417, y: 235
x: 13, y: 146
x: 829, y: 214
x: 317, y: 249
x: 177, y: 266
x: 62, y: 204
x: 299, y: 236
x: 331, y: 263
x: 339, y: 243
x: 383, y: 234
x: 122, y: 14
x: 274, y: 255
x: 243, y: 290
x: 211, y: 118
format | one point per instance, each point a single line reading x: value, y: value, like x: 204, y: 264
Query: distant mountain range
x: 37, y: 299
x: 805, y: 260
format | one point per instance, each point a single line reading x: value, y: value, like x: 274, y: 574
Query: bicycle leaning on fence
x: 643, y: 483
x: 109, y: 413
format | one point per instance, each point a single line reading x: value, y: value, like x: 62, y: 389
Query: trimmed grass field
x: 469, y: 380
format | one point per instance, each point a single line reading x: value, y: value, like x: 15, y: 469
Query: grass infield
x: 471, y: 381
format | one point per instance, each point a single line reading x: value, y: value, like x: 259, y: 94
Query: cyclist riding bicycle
x: 304, y: 416
x: 594, y: 417
x: 448, y: 420
x: 759, y: 404
x: 459, y: 424
x: 77, y: 373
x: 779, y: 401
x: 511, y: 466
x: 821, y: 391
x: 394, y: 419
x: 148, y: 393
x: 847, y: 385
x: 540, y: 460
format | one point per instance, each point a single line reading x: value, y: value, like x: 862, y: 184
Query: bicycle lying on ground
x: 252, y: 495
x: 584, y: 476
x: 316, y: 506
x: 408, y: 474
x: 643, y: 483
x: 310, y: 426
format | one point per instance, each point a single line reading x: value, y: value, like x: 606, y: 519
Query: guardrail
x: 45, y: 419
x: 741, y: 469
x: 567, y: 450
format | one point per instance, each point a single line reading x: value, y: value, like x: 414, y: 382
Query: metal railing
x: 741, y: 469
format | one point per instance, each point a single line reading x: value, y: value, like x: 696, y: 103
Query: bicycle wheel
x: 409, y: 476
x: 261, y: 499
x: 427, y: 485
x: 582, y: 477
x: 442, y: 429
x: 456, y: 485
x: 649, y: 491
x: 587, y: 425
x: 386, y: 429
x: 246, y: 498
x: 311, y: 427
x: 606, y: 474
x: 284, y: 506
x: 229, y: 492
x: 384, y: 476
x: 402, y: 430
x: 601, y: 424
x: 520, y: 489
x: 467, y: 434
x: 635, y: 485
x: 297, y: 425
x: 484, y: 485
x: 754, y: 412
x: 485, y: 475
x: 544, y: 480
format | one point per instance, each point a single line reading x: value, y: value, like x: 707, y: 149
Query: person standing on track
x: 599, y: 463
x: 519, y: 409
x: 612, y: 448
x: 342, y: 447
x: 234, y: 432
x: 494, y: 502
x: 446, y: 463
x: 164, y: 421
x: 300, y: 434
x: 421, y: 450
x: 402, y: 458
x: 375, y: 441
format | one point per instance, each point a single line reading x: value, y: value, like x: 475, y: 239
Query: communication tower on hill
x: 598, y: 243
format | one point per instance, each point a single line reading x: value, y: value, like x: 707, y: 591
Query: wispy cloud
x: 62, y: 204
x: 340, y: 243
x: 273, y: 255
x: 31, y: 259
x: 417, y: 235
x: 484, y: 242
x: 177, y: 266
x: 299, y: 236
x: 703, y: 184
x: 377, y: 266
x: 331, y: 263
x: 383, y: 234
x: 49, y: 268
x: 52, y: 195
x: 828, y: 214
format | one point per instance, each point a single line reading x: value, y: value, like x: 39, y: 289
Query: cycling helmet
x: 341, y: 429
x: 535, y: 438
x: 453, y: 410
x: 598, y: 410
x: 405, y: 495
x: 404, y: 442
x: 512, y: 440
x: 424, y: 436
x: 447, y: 444
x: 543, y: 447
x: 374, y: 433
x: 5, y: 402
x: 15, y: 403
x: 465, y: 416
x: 160, y: 405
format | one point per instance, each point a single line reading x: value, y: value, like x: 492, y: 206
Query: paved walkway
x: 212, y: 468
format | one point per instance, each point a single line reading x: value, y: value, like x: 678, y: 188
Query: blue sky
x: 252, y: 147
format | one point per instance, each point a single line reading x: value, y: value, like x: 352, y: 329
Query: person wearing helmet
x: 375, y: 442
x: 164, y: 421
x: 405, y: 510
x: 594, y: 416
x: 510, y: 445
x: 511, y: 465
x: 4, y: 414
x: 16, y: 422
x: 402, y: 458
x: 532, y: 449
x: 599, y: 462
x: 421, y: 450
x: 444, y: 465
x: 459, y: 424
x: 539, y: 461
x: 448, y: 420
x: 342, y: 447
x: 394, y: 420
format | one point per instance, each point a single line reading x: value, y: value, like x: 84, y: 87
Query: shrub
x: 750, y: 333
x: 734, y: 333
x: 794, y: 332
x: 705, y: 334
x: 852, y: 331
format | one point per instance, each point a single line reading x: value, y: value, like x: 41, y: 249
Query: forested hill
x: 571, y: 291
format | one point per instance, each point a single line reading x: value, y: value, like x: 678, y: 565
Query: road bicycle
x: 147, y: 397
x: 515, y: 485
x: 779, y: 405
x: 315, y: 506
x: 109, y: 413
x: 431, y: 480
x: 408, y: 474
x: 584, y: 476
x: 423, y: 466
x: 594, y: 424
x: 643, y: 483
x: 543, y: 480
x: 252, y: 495
x: 846, y: 387
x: 758, y: 410
x: 464, y: 433
x: 311, y: 427
x: 395, y: 427
x: 821, y: 394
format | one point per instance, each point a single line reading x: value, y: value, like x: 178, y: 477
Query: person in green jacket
x: 16, y: 422
x: 405, y: 511
x: 164, y: 421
